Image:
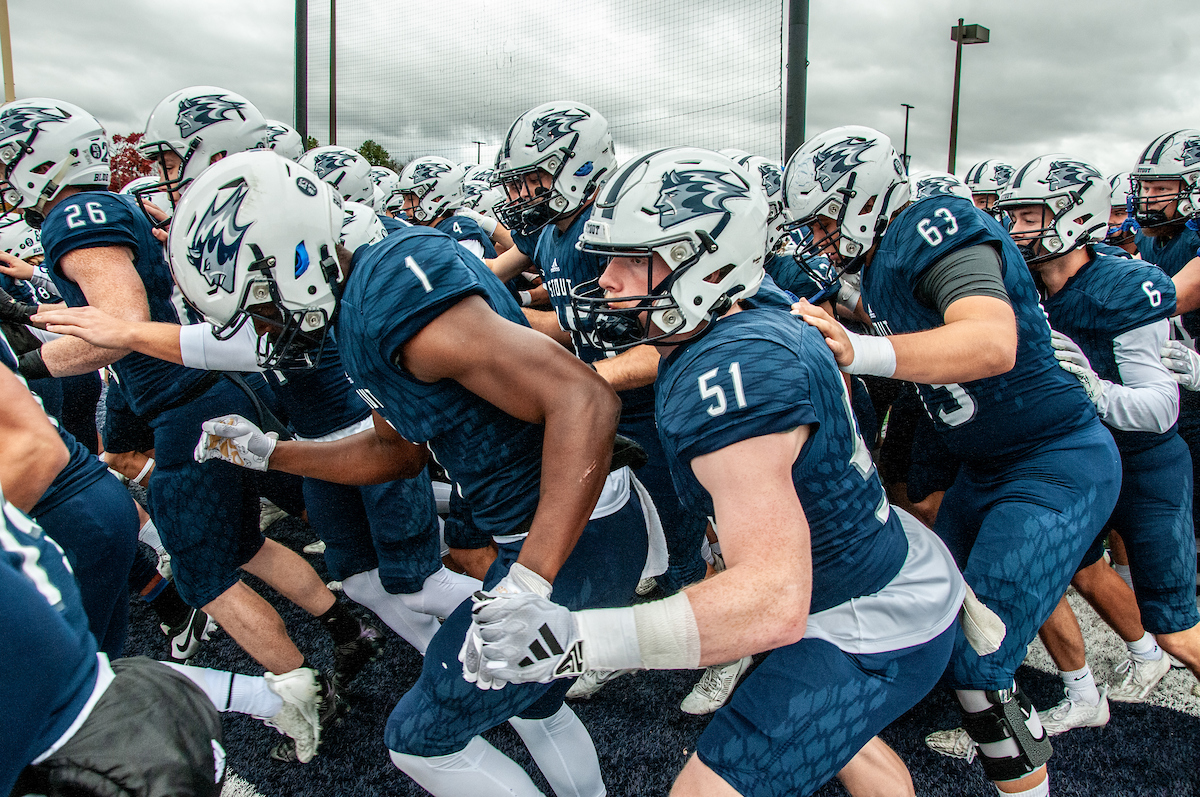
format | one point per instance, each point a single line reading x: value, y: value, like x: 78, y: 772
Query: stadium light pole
x: 961, y: 34
x: 797, y: 77
x: 301, y: 103
x: 478, y: 149
x: 905, y: 157
x: 10, y: 91
x: 332, y: 71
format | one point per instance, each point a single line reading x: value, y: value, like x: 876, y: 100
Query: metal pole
x: 478, y: 150
x: 904, y: 157
x: 958, y: 37
x: 10, y: 91
x: 333, y: 71
x: 301, y: 103
x: 797, y: 77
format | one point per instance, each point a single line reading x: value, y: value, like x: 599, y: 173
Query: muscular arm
x: 102, y: 330
x: 509, y: 264
x: 370, y: 457
x: 31, y: 452
x: 978, y: 340
x: 761, y: 600
x: 529, y: 377
x: 1187, y: 287
x: 109, y: 281
x: 636, y: 367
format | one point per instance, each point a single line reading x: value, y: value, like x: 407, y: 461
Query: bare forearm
x: 359, y: 459
x: 637, y: 367
x: 576, y: 452
x: 31, y: 452
x: 156, y: 339
x: 961, y: 351
x: 69, y: 356
x: 546, y: 322
x: 509, y: 264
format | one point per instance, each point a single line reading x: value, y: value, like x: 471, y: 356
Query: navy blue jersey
x: 760, y: 372
x: 391, y: 225
x: 81, y: 469
x: 395, y: 288
x: 1102, y: 248
x: 461, y: 228
x: 47, y: 654
x: 1103, y: 300
x: 321, y: 400
x: 18, y: 289
x: 811, y: 282
x: 563, y: 267
x: 1170, y: 253
x: 99, y: 218
x: 1000, y: 417
x: 526, y: 244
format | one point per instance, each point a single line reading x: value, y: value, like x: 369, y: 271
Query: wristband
x: 525, y: 298
x: 31, y: 365
x: 659, y: 635
x: 145, y: 469
x: 873, y: 355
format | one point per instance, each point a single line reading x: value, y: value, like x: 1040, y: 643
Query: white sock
x: 1123, y: 572
x: 1145, y: 648
x: 441, y: 593
x: 149, y: 535
x: 1080, y: 686
x: 414, y: 628
x: 564, y: 752
x: 1040, y: 790
x: 230, y: 691
x: 478, y: 769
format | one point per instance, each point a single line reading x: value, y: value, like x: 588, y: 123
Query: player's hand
x: 835, y: 334
x: 15, y: 267
x: 1072, y: 360
x: 1183, y: 363
x: 519, y: 580
x: 236, y: 440
x: 15, y: 312
x: 527, y: 638
x: 162, y: 220
x: 87, y: 323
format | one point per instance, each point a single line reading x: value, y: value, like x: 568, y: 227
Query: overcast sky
x: 1088, y: 77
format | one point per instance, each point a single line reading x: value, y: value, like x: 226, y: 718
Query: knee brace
x: 1008, y: 748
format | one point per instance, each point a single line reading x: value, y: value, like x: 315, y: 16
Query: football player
x: 986, y: 180
x: 439, y: 349
x: 756, y: 423
x: 955, y: 310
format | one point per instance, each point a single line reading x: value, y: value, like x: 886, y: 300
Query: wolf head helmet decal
x: 831, y: 163
x: 327, y: 162
x: 1003, y: 173
x: 425, y: 172
x: 1066, y: 173
x: 555, y: 125
x: 197, y: 113
x: 25, y: 119
x: 687, y: 194
x: 217, y: 238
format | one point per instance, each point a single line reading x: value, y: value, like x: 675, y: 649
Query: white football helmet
x: 199, y: 124
x: 568, y: 141
x: 435, y: 187
x: 1171, y: 156
x: 853, y: 176
x: 988, y: 177
x: 927, y: 183
x: 480, y: 192
x: 704, y: 215
x: 343, y: 168
x: 1121, y: 201
x: 771, y: 176
x: 46, y: 145
x: 18, y: 238
x: 1074, y: 193
x: 361, y: 226
x: 284, y: 139
x: 734, y: 154
x: 149, y: 189
x: 255, y: 238
x: 387, y: 181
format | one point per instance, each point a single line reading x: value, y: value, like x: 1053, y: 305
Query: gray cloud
x: 1090, y: 77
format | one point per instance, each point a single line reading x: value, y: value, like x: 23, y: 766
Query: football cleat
x: 268, y: 513
x: 315, y: 547
x: 953, y: 743
x: 350, y: 657
x: 1068, y: 714
x: 300, y: 716
x: 715, y: 687
x: 186, y: 637
x: 1141, y: 676
x: 645, y: 586
x: 592, y: 682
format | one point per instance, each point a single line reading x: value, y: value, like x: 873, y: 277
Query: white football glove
x: 527, y: 638
x: 1072, y: 360
x: 235, y: 440
x: 1183, y: 363
x: 519, y: 581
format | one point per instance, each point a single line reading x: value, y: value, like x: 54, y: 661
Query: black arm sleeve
x: 974, y: 271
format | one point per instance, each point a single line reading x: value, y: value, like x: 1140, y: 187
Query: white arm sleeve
x: 201, y: 349
x: 1148, y: 399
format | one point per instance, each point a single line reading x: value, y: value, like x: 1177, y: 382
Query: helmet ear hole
x: 715, y: 277
x: 869, y: 206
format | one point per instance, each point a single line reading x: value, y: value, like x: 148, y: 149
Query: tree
x: 125, y: 162
x: 310, y: 143
x: 376, y: 155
